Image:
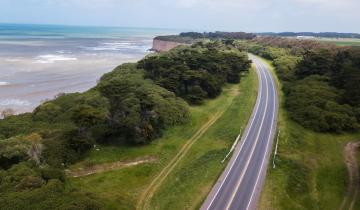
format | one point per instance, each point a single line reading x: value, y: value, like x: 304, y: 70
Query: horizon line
x: 164, y: 28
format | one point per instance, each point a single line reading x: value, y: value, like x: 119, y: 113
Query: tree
x: 317, y: 62
x: 312, y: 102
x: 7, y: 113
x: 285, y: 67
x: 36, y: 147
x: 13, y: 151
x: 139, y: 109
x: 47, y: 112
x: 346, y: 75
x: 20, y: 148
x: 85, y: 117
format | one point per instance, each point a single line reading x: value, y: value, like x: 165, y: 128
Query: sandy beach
x: 36, y: 65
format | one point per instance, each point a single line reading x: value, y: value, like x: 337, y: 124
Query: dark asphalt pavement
x: 240, y: 185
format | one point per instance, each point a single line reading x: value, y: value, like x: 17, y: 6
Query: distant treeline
x: 191, y: 37
x: 321, y: 34
x: 321, y: 82
x: 219, y: 35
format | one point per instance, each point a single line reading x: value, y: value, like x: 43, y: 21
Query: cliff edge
x: 161, y: 45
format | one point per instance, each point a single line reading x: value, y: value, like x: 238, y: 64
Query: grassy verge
x: 121, y: 189
x: 194, y: 177
x: 310, y: 172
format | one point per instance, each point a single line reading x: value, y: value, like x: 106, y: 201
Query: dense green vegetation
x: 24, y: 186
x: 196, y: 73
x: 123, y: 108
x: 320, y: 82
x: 139, y: 109
x: 121, y: 189
x: 131, y: 106
x: 310, y: 170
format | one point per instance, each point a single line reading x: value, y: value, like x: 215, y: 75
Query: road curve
x: 239, y: 186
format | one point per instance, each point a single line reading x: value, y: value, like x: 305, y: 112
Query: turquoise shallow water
x: 38, y: 62
x: 26, y: 31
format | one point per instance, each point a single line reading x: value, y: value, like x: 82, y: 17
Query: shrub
x: 52, y: 173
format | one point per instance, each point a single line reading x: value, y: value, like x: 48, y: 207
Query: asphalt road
x: 240, y: 185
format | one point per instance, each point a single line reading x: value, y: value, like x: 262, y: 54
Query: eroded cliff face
x: 161, y: 46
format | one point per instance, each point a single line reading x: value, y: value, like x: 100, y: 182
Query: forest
x: 133, y: 105
x: 193, y: 37
x: 320, y: 81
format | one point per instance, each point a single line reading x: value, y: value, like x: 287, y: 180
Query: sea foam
x: 116, y: 46
x: 14, y: 102
x: 53, y: 58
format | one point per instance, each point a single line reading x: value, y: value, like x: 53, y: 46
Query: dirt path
x: 350, y: 151
x: 145, y: 198
x: 99, y: 168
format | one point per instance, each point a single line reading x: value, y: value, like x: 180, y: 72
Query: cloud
x: 331, y: 4
x: 246, y: 15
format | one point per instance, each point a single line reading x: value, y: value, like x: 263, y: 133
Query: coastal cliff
x: 161, y: 45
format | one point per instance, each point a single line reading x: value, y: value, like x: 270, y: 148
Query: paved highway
x: 240, y: 185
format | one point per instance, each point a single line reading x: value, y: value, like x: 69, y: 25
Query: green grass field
x: 342, y: 42
x: 310, y: 172
x: 193, y: 177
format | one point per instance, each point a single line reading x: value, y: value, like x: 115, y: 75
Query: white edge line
x: 238, y: 183
x: 243, y: 141
x: 267, y: 147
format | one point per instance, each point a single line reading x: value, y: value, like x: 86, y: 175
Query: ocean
x: 37, y: 62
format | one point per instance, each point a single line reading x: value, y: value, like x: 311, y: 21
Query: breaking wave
x: 53, y: 58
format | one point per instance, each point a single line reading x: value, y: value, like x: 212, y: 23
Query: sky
x: 196, y: 15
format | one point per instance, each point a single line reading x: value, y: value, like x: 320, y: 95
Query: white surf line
x: 243, y: 141
x: 252, y: 149
x: 267, y: 148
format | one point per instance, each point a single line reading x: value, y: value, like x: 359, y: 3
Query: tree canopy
x: 139, y: 109
x: 198, y: 72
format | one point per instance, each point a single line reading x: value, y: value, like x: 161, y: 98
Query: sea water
x: 37, y: 62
